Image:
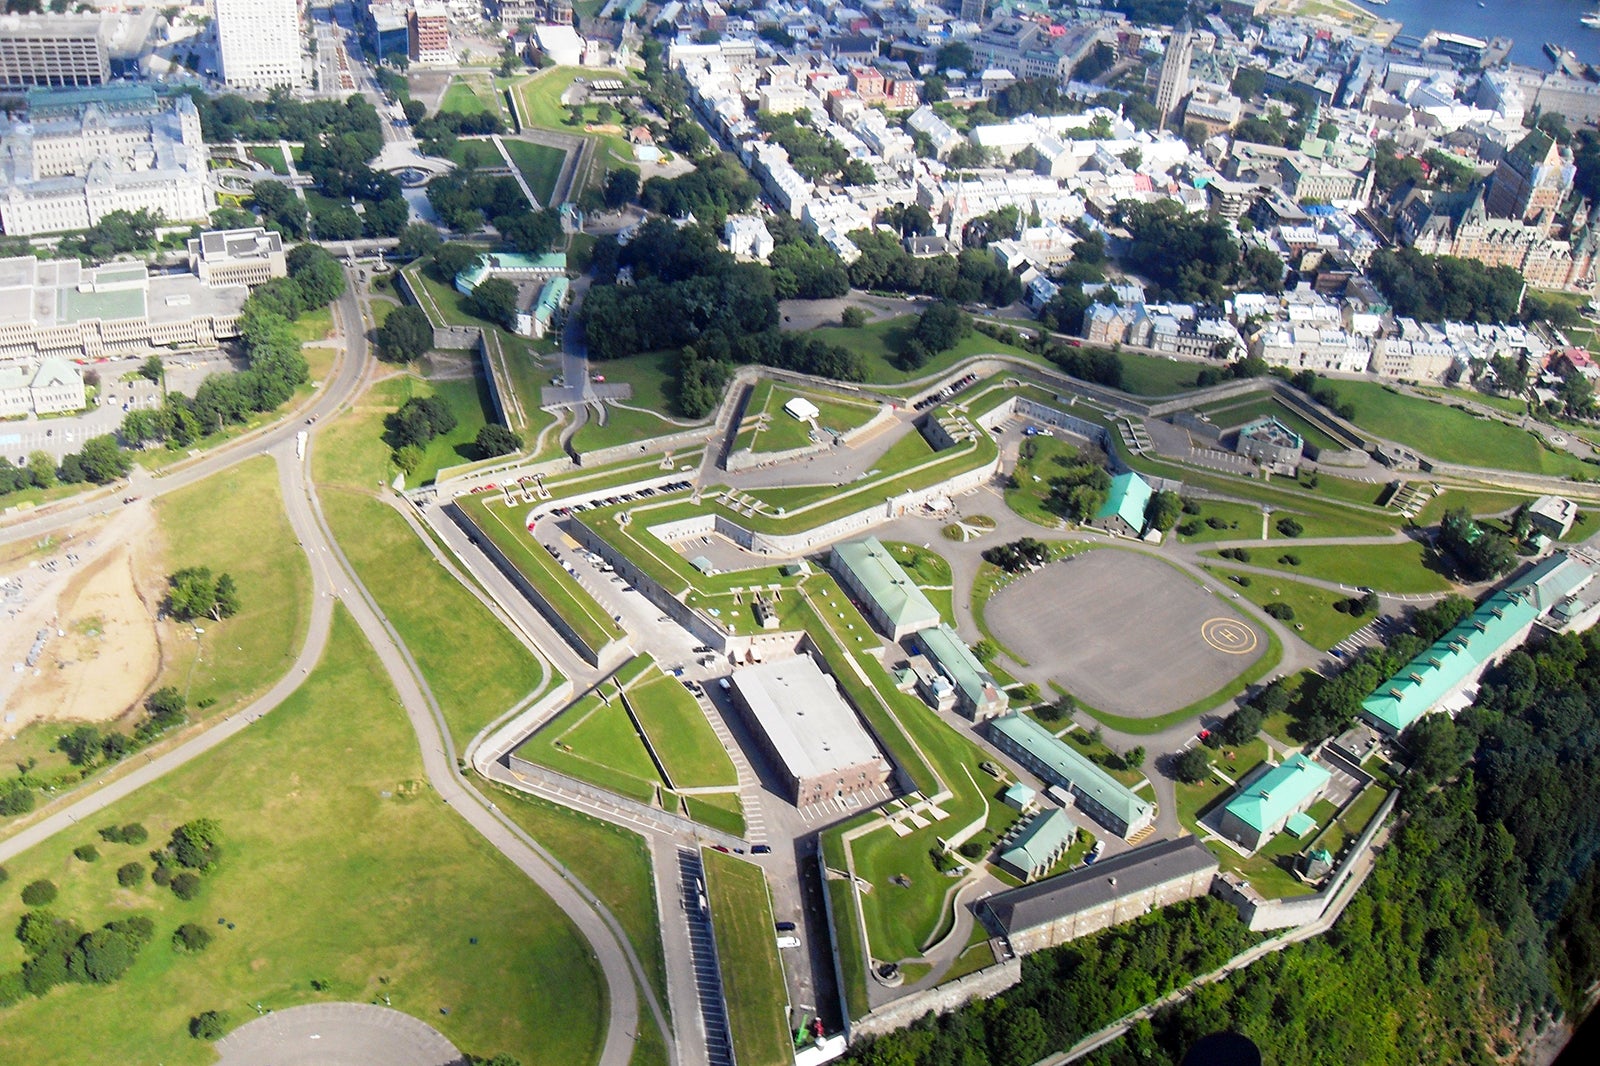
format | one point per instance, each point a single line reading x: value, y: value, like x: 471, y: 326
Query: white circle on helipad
x: 337, y: 1034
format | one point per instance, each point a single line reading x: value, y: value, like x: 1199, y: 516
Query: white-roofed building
x: 808, y: 730
x: 747, y: 238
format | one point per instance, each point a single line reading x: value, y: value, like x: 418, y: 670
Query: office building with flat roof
x: 1114, y: 890
x: 886, y: 593
x: 808, y: 731
x: 259, y: 42
x: 60, y: 307
x: 237, y: 257
x: 429, y: 25
x: 53, y: 50
x: 1098, y: 794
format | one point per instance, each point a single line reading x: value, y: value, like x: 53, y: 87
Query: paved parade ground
x: 336, y: 1034
x: 1124, y: 632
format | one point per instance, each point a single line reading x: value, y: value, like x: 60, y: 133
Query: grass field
x: 1033, y: 476
x: 1448, y: 435
x: 567, y: 597
x: 1397, y: 568
x: 340, y: 866
x: 613, y: 862
x: 783, y: 432
x: 652, y: 376
x: 204, y: 525
x: 596, y: 742
x: 879, y: 346
x: 679, y: 732
x: 1151, y: 375
x: 472, y: 94
x: 1315, y: 620
x: 269, y: 157
x: 747, y: 952
x: 540, y: 165
x: 622, y: 426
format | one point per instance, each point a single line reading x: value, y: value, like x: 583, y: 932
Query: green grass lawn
x: 340, y: 866
x: 472, y: 94
x: 1033, y: 475
x: 314, y: 325
x: 1151, y: 375
x: 470, y: 402
x: 597, y: 743
x: 653, y: 376
x: 923, y: 565
x: 900, y: 917
x: 783, y: 432
x: 1397, y: 568
x: 747, y: 952
x: 623, y: 426
x: 879, y: 346
x: 682, y: 737
x: 1448, y: 435
x: 1315, y: 620
x: 613, y: 862
x: 540, y: 165
x: 235, y: 523
x: 269, y: 157
x: 566, y: 596
x: 1239, y: 521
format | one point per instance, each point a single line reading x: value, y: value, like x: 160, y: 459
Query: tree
x: 852, y: 318
x: 186, y: 885
x: 1192, y: 766
x: 494, y: 300
x: 407, y: 458
x: 193, y: 593
x: 86, y: 853
x: 1481, y: 553
x: 405, y: 335
x: 451, y: 258
x: 191, y: 938
x: 418, y: 421
x: 102, y: 957
x: 418, y: 240
x: 102, y: 461
x: 197, y: 844
x: 153, y: 370
x: 210, y: 1025
x: 495, y: 439
x: 1242, y: 725
x: 130, y: 874
x: 1163, y: 510
x: 1289, y: 527
x: 941, y: 327
x: 622, y: 186
x: 1135, y: 757
x: 81, y: 745
x: 39, y: 893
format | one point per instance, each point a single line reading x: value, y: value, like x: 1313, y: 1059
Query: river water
x: 1530, y: 23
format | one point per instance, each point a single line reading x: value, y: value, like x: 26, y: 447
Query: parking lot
x: 1124, y: 632
x: 707, y: 981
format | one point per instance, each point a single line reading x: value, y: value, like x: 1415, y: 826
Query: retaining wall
x: 953, y: 995
x: 594, y: 792
x: 527, y: 587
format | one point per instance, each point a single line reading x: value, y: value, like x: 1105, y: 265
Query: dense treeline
x: 717, y: 187
x: 691, y: 296
x: 1070, y: 991
x: 974, y: 276
x: 1194, y: 257
x: 277, y: 365
x: 1442, y: 288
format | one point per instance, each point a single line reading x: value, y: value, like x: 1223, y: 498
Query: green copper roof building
x: 1040, y: 844
x: 1268, y: 802
x: 1125, y: 506
x: 1457, y: 659
x: 887, y: 594
x: 1097, y: 793
x: 978, y: 695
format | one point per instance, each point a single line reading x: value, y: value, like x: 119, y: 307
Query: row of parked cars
x: 944, y: 394
x: 623, y: 497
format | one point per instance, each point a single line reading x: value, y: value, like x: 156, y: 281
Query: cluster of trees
x: 1324, y: 393
x: 1016, y: 556
x: 816, y: 156
x: 86, y: 747
x: 283, y: 117
x: 439, y: 132
x: 405, y: 335
x: 1069, y: 991
x: 1163, y: 510
x: 1249, y: 367
x: 717, y: 187
x: 939, y: 328
x: 974, y: 276
x: 1100, y: 366
x: 1480, y: 920
x: 118, y: 232
x: 1194, y: 257
x: 60, y: 951
x: 1271, y: 128
x: 277, y: 365
x: 465, y: 198
x: 1078, y: 491
x: 1481, y: 553
x: 193, y: 592
x: 409, y: 430
x: 1441, y: 288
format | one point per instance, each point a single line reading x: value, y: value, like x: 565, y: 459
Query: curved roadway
x: 334, y: 579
